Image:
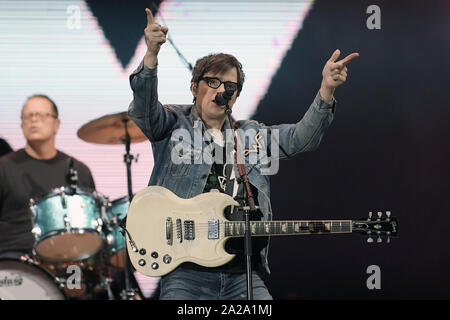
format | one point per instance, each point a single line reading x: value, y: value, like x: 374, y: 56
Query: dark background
x: 387, y: 149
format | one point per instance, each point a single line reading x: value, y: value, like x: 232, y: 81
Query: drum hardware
x: 67, y: 225
x: 99, y: 225
x: 73, y: 226
x: 66, y: 221
x: 27, y: 280
x: 92, y: 281
x: 116, y: 129
x: 63, y: 198
x: 128, y: 293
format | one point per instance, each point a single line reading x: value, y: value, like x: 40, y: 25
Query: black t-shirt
x: 222, y: 178
x: 5, y: 148
x: 23, y: 178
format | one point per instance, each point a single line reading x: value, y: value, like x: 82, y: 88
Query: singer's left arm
x: 306, y: 134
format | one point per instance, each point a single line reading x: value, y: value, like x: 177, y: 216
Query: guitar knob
x: 369, y: 240
x: 155, y: 266
x: 141, y: 262
x: 167, y: 259
x: 379, y: 240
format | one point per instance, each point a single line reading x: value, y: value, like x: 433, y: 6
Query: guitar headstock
x: 377, y: 225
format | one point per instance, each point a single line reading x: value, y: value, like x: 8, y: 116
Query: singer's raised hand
x: 155, y: 36
x: 334, y: 73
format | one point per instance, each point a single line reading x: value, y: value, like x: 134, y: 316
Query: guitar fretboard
x: 271, y: 228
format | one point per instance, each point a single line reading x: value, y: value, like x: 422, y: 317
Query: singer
x: 217, y: 81
x: 31, y: 172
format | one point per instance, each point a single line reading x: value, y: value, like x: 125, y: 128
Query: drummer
x: 31, y: 172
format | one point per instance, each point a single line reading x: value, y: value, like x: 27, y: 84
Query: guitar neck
x: 291, y: 227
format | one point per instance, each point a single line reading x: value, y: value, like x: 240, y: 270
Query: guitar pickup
x: 179, y: 231
x: 189, y: 232
x: 213, y: 229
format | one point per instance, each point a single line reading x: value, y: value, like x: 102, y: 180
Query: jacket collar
x: 196, y: 121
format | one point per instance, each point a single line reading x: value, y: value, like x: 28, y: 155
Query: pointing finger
x: 149, y: 16
x: 349, y: 58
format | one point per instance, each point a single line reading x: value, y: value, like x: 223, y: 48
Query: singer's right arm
x: 155, y: 121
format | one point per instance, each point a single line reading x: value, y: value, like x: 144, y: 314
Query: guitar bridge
x: 169, y: 235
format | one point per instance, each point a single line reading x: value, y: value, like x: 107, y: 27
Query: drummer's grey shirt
x: 22, y: 178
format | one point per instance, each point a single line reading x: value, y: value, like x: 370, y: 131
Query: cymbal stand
x: 129, y: 293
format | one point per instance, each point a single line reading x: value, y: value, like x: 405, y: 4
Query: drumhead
x: 25, y: 280
x: 69, y: 246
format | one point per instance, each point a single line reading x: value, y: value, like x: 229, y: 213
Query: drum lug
x: 37, y: 232
x: 99, y: 224
x: 109, y: 239
x: 60, y: 282
x: 63, y: 198
x: 67, y: 222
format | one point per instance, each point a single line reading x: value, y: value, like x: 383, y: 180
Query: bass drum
x: 23, y: 279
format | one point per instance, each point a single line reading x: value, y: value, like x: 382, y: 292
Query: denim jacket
x: 186, y: 176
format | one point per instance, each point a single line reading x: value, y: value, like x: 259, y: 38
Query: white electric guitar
x: 163, y: 230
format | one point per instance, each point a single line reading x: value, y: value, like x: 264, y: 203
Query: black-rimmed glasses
x: 39, y: 116
x: 215, y: 83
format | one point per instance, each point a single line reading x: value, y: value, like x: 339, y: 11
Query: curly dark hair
x: 217, y: 63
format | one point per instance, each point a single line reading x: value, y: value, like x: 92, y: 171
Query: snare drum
x: 67, y: 224
x: 23, y: 279
x: 117, y: 210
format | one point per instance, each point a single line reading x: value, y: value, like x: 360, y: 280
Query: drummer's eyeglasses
x: 39, y: 116
x: 215, y: 83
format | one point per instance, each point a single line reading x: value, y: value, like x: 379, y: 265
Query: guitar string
x: 273, y: 228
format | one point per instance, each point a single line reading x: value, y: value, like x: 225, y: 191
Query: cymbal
x: 110, y: 129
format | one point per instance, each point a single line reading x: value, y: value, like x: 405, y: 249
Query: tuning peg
x: 388, y: 240
x: 379, y: 240
x: 369, y: 240
x: 388, y: 215
x: 370, y: 214
x: 380, y: 214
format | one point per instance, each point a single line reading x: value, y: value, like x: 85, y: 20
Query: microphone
x: 222, y: 98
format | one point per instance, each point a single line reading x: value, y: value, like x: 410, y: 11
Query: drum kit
x: 79, y: 250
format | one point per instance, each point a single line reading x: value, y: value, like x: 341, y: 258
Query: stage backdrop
x: 81, y: 53
x: 387, y: 150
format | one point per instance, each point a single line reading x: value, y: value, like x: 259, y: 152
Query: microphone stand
x: 252, y: 208
x: 129, y: 293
